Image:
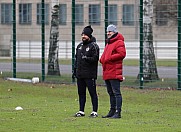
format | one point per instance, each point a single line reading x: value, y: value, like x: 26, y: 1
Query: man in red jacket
x: 112, y: 61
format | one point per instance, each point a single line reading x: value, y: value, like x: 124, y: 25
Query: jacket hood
x: 93, y: 39
x: 115, y: 37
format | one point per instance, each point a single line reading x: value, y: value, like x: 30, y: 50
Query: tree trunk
x: 53, y: 65
x: 149, y: 62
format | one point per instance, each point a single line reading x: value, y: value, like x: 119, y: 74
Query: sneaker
x: 93, y: 114
x: 79, y: 114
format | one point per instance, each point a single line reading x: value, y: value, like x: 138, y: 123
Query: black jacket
x: 86, y: 59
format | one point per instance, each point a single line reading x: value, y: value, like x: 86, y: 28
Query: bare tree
x: 166, y: 10
x: 149, y: 62
x: 53, y: 65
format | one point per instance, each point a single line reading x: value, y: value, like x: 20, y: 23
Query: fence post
x: 43, y: 38
x: 179, y: 45
x: 73, y: 36
x: 14, y: 38
x: 106, y: 18
x: 141, y: 46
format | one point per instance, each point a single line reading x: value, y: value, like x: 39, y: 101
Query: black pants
x: 91, y: 85
x: 113, y: 89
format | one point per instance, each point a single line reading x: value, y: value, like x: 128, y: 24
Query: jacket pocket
x: 118, y: 69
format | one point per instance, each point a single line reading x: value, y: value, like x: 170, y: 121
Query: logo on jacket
x: 87, y: 49
x: 80, y: 47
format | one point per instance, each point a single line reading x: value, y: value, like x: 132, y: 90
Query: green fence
x: 151, y: 31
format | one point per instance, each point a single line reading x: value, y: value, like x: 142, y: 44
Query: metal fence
x: 25, y: 38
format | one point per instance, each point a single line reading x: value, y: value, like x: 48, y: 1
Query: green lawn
x: 159, y: 62
x: 127, y: 62
x: 50, y: 107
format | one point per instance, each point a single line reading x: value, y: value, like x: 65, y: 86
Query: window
x: 94, y: 14
x: 39, y: 14
x: 161, y: 18
x: 25, y: 13
x: 128, y: 15
x: 6, y: 13
x: 112, y: 14
x: 79, y: 16
x: 63, y: 14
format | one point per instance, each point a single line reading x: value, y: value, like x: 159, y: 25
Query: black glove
x: 73, y: 76
x: 74, y: 73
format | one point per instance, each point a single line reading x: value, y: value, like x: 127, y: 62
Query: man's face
x: 109, y: 34
x: 85, y: 37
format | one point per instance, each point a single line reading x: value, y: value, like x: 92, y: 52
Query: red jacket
x: 112, y: 58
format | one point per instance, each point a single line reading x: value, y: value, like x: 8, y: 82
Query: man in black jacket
x: 85, y: 70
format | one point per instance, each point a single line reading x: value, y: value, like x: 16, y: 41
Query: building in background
x: 123, y: 13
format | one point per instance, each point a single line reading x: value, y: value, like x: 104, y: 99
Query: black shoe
x: 110, y: 114
x: 116, y: 115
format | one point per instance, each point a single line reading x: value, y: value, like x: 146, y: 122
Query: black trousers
x: 113, y: 89
x: 91, y: 85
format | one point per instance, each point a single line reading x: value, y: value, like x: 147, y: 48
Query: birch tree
x: 53, y: 64
x: 149, y: 62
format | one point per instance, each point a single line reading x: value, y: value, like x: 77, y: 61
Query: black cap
x: 88, y: 31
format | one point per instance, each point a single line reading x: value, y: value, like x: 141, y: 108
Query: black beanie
x: 88, y: 31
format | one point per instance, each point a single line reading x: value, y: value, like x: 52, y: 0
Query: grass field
x: 50, y: 107
x: 127, y: 62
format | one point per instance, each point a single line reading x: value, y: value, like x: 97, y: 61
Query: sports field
x: 50, y: 107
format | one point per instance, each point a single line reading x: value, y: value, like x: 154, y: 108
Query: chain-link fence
x: 150, y: 31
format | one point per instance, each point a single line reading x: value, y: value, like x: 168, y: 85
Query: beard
x: 85, y: 41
